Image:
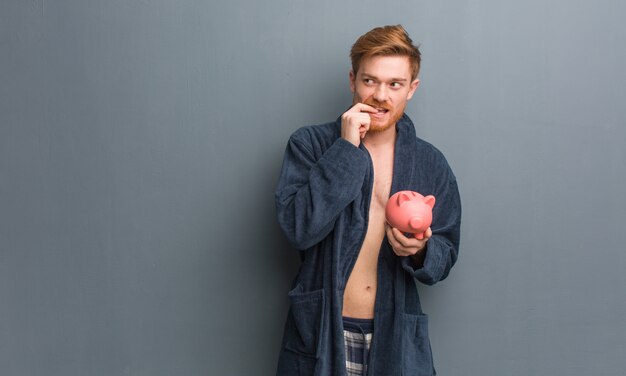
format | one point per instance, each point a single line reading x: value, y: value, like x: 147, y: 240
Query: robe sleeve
x: 443, y: 247
x: 312, y: 192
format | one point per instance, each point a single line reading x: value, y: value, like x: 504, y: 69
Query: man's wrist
x: 418, y: 258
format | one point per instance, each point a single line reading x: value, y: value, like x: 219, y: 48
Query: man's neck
x: 378, y: 140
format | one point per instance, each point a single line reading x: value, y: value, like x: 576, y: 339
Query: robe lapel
x: 404, y: 156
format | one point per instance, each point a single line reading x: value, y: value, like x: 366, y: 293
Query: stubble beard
x: 377, y: 128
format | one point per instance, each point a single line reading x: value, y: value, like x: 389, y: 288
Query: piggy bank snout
x: 416, y: 223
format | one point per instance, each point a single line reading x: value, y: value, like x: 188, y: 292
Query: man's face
x: 383, y: 82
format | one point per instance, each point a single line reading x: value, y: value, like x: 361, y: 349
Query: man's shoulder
x: 427, y: 156
x: 427, y: 148
x: 423, y: 148
x: 430, y: 156
x: 317, y: 134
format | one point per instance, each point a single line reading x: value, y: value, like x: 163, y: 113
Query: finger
x: 397, y: 247
x: 362, y: 107
x: 391, y: 237
x: 359, y: 118
x: 405, y: 241
x: 428, y: 234
x: 365, y: 120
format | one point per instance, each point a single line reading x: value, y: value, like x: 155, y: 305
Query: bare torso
x: 360, y: 293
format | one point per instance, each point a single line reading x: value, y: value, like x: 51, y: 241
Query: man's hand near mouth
x: 356, y: 122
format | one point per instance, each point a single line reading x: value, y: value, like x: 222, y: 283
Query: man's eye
x: 368, y: 81
x: 395, y: 84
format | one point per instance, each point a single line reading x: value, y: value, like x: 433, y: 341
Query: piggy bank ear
x: 402, y: 198
x: 430, y: 201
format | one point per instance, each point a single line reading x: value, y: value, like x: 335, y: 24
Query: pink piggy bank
x: 411, y: 212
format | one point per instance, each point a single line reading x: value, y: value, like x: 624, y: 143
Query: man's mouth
x: 381, y: 108
x: 380, y: 111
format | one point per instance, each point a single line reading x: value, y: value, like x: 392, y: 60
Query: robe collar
x: 404, y: 155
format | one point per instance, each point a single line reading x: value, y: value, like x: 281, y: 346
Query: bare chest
x: 360, y: 292
x: 383, y: 176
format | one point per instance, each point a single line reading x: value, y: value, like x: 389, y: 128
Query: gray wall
x: 140, y: 144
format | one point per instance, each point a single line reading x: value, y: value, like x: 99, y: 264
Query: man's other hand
x: 407, y: 246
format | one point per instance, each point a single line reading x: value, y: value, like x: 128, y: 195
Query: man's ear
x: 414, y: 84
x: 352, y: 78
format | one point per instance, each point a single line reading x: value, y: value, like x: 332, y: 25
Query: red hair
x: 386, y: 41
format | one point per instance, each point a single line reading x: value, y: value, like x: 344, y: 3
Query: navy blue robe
x: 322, y: 202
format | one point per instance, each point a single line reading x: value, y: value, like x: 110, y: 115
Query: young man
x: 354, y: 307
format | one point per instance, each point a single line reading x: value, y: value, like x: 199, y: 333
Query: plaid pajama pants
x: 357, y: 337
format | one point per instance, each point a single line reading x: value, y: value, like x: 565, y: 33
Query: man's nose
x: 380, y: 94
